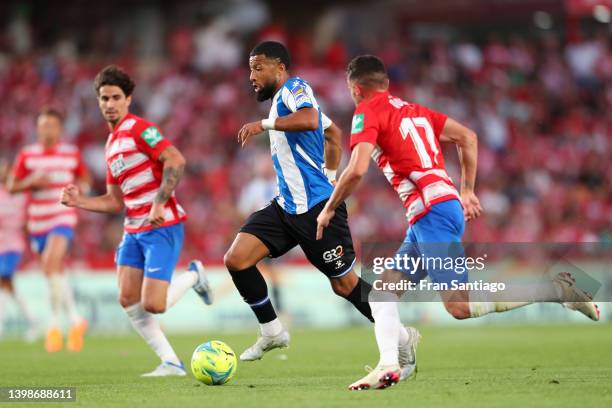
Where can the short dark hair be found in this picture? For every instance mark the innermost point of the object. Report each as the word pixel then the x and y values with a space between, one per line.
pixel 114 76
pixel 368 71
pixel 49 111
pixel 273 49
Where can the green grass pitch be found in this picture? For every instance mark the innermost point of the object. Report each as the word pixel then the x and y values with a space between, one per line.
pixel 459 366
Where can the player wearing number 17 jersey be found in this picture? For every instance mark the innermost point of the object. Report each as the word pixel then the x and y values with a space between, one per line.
pixel 404 140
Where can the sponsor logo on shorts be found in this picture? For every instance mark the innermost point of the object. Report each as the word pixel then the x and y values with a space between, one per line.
pixel 333 254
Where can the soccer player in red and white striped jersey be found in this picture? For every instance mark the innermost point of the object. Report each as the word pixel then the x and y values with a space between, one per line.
pixel 42 170
pixel 143 170
pixel 404 140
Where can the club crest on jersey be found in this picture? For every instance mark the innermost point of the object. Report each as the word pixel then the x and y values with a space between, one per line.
pixel 357 125
pixel 117 166
pixel 151 135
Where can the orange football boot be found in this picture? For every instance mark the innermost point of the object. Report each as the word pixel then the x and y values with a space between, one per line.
pixel 75 336
pixel 54 340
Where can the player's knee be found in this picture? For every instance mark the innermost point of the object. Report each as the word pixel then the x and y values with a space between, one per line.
pixel 126 300
pixel 234 262
pixel 154 307
pixel 341 287
pixel 459 310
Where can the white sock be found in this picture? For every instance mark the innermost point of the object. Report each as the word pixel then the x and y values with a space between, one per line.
pixel 4 298
pixel 180 284
pixel 56 295
pixel 272 328
pixel 387 327
pixel 146 325
pixel 403 335
pixel 69 303
pixel 484 303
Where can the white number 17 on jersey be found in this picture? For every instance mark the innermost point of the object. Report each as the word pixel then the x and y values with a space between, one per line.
pixel 409 126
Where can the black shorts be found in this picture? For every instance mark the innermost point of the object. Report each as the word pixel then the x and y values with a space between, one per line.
pixel 333 255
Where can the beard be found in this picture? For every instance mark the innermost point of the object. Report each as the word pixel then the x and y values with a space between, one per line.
pixel 267 92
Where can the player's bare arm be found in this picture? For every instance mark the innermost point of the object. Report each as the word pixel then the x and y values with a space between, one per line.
pixel 467 147
pixel 333 150
pixel 34 181
pixel 174 166
pixel 303 119
pixel 348 182
pixel 110 203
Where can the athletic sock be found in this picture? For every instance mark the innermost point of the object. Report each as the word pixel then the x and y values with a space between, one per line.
pixel 482 304
pixel 56 295
pixel 180 284
pixel 272 328
pixel 361 291
pixel 148 327
pixel 252 287
pixel 404 337
pixel 387 327
pixel 68 301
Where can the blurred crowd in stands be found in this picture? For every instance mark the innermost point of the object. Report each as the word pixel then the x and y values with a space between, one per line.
pixel 539 105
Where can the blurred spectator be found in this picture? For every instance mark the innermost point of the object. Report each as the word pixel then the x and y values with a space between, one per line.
pixel 539 106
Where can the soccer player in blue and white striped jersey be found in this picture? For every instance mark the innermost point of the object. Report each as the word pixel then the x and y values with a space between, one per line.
pixel 304 143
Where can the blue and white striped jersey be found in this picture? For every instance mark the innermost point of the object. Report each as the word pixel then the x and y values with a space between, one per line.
pixel 298 156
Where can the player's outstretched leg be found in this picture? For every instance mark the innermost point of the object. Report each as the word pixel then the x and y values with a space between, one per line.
pixel 561 289
pixel 241 260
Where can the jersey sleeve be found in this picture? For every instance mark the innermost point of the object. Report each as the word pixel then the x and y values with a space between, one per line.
pixel 19 168
pixel 109 177
pixel 437 119
pixel 365 126
pixel 325 121
pixel 150 140
pixel 297 95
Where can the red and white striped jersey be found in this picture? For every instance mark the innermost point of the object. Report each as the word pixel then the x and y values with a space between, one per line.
pixel 407 150
pixel 62 164
pixel 132 153
pixel 12 221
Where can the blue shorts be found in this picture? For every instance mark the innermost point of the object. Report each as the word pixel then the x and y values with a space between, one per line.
pixel 436 239
pixel 155 251
pixel 9 262
pixel 38 242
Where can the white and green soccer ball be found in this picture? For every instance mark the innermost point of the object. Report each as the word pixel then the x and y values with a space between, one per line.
pixel 213 363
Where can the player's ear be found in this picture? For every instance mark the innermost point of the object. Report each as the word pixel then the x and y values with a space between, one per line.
pixel 128 100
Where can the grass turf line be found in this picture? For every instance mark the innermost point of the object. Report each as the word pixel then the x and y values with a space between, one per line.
pixel 499 366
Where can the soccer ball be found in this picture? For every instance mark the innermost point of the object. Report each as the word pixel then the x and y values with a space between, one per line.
pixel 213 363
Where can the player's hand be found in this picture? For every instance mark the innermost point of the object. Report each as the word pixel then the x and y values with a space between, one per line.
pixel 70 196
pixel 248 130
pixel 38 181
pixel 323 221
pixel 471 205
pixel 156 215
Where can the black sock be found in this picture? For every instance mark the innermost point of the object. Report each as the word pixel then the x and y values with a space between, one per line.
pixel 276 295
pixel 253 289
pixel 359 298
